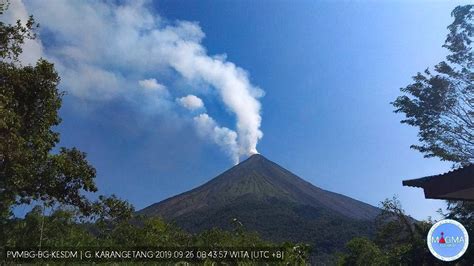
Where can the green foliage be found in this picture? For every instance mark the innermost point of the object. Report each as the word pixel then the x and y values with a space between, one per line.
pixel 441 102
pixel 13 36
pixel 463 212
pixel 62 229
pixel 29 104
pixel 275 220
pixel 400 240
pixel 362 251
pixel 403 238
pixel 56 230
pixel 111 210
pixel 30 170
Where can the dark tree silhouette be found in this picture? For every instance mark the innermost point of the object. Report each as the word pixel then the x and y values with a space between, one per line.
pixel 29 104
pixel 441 102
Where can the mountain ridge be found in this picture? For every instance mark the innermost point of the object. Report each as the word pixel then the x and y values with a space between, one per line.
pixel 270 200
pixel 328 199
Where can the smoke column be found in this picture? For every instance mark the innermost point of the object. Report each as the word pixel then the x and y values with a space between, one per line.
pixel 233 85
pixel 120 43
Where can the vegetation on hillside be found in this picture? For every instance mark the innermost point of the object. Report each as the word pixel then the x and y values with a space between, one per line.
pixel 400 240
pixel 271 200
pixel 61 229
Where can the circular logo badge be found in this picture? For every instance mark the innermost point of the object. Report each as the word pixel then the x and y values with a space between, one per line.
pixel 447 240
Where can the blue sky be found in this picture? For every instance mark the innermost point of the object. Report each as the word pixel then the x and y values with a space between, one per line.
pixel 329 70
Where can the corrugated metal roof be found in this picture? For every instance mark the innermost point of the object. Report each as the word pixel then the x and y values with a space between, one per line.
pixel 462 171
pixel 456 185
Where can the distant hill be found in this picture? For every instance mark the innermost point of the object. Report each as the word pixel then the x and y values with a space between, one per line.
pixel 271 200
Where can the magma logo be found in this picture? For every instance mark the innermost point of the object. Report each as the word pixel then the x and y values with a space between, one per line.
pixel 447 240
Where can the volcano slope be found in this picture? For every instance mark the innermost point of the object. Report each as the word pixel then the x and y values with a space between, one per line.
pixel 272 201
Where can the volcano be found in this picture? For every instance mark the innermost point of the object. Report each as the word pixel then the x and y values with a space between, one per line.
pixel 272 201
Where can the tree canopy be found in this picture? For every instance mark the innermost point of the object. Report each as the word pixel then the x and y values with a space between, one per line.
pixel 440 102
pixel 399 240
pixel 30 167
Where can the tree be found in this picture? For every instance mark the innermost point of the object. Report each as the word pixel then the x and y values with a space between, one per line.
pixel 12 37
pixel 402 237
pixel 362 251
pixel 399 240
pixel 29 104
pixel 463 212
pixel 59 229
pixel 441 102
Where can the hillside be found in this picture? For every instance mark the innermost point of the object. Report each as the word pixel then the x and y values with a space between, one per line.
pixel 271 200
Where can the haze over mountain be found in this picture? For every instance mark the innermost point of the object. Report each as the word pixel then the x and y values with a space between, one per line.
pixel 271 200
